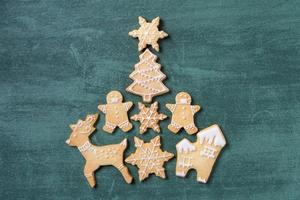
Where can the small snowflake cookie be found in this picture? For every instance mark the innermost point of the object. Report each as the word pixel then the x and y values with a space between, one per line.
pixel 149 117
pixel 200 155
pixel 97 156
pixel 149 158
pixel 147 77
pixel 183 114
pixel 148 33
pixel 116 112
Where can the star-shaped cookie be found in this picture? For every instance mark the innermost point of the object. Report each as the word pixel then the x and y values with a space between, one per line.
pixel 149 158
pixel 148 33
pixel 149 117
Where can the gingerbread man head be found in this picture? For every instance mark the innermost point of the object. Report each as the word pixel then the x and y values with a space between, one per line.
pixel 183 98
pixel 114 97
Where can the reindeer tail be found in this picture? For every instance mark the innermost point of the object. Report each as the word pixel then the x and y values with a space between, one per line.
pixel 123 144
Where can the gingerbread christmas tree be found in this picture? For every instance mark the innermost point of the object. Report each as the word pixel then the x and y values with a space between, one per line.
pixel 147 77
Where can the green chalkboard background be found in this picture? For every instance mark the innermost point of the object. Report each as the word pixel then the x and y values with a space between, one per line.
pixel 240 60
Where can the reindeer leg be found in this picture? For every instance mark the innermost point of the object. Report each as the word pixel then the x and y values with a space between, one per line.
pixel 89 174
pixel 124 171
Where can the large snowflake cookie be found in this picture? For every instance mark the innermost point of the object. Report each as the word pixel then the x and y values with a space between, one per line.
pixel 97 156
pixel 147 77
pixel 149 158
pixel 200 155
pixel 183 114
pixel 116 112
pixel 149 117
pixel 148 33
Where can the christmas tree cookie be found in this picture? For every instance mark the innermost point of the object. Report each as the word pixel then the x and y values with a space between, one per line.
pixel 97 156
pixel 116 112
pixel 149 158
pixel 147 77
pixel 149 117
pixel 183 114
pixel 200 155
pixel 148 33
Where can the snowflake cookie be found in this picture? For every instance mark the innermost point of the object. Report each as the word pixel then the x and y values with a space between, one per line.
pixel 116 112
pixel 97 156
pixel 200 155
pixel 149 117
pixel 148 33
pixel 147 77
pixel 149 158
pixel 183 114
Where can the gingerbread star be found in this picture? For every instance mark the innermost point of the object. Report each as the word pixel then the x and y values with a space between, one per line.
pixel 149 158
pixel 148 33
pixel 149 117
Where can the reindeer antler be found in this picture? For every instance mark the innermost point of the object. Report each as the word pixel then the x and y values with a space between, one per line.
pixel 86 126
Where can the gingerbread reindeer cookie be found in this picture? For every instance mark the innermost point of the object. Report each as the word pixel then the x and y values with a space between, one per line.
pixel 149 158
pixel 149 117
pixel 200 155
pixel 148 33
pixel 97 156
pixel 116 112
pixel 183 114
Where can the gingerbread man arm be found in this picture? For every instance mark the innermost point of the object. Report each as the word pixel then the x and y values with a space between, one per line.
pixel 195 108
pixel 128 105
pixel 102 108
pixel 171 107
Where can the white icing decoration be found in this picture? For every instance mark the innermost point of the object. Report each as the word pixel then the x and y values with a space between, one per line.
pixel 208 152
pixel 181 174
pixel 185 146
pixel 212 135
pixel 203 180
pixel 183 101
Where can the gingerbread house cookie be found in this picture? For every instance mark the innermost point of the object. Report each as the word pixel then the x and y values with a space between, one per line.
pixel 200 155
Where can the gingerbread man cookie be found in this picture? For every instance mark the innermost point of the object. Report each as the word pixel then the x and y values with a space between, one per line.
pixel 148 33
pixel 183 114
pixel 149 117
pixel 200 155
pixel 97 156
pixel 116 112
pixel 149 158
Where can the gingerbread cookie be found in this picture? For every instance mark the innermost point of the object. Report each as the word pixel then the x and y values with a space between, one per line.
pixel 148 33
pixel 183 114
pixel 116 112
pixel 149 117
pixel 147 77
pixel 200 155
pixel 149 158
pixel 97 156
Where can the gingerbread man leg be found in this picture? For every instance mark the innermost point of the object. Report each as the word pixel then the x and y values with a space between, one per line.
pixel 124 171
pixel 174 127
pixel 89 174
pixel 191 129
pixel 125 126
pixel 109 127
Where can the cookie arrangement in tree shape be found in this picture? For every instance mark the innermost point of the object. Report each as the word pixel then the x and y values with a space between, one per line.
pixel 147 77
pixel 149 117
pixel 149 158
pixel 97 156
pixel 200 155
pixel 148 33
pixel 183 114
pixel 116 112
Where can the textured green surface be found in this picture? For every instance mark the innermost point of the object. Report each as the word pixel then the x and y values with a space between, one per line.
pixel 240 60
